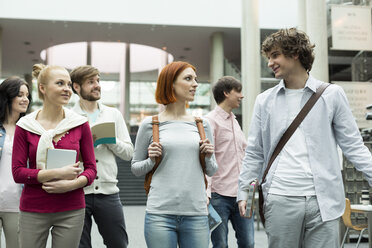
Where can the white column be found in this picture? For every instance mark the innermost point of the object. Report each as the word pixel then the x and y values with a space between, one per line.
pixel 301 18
pixel 316 28
pixel 89 53
pixel 163 62
pixel 48 55
pixel 1 50
pixel 125 85
pixel 216 61
pixel 250 53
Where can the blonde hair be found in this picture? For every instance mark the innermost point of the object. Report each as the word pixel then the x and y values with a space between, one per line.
pixel 42 72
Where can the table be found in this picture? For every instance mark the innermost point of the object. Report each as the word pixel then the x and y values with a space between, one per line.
pixel 365 209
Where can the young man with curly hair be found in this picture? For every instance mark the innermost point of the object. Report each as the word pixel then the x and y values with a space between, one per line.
pixel 303 190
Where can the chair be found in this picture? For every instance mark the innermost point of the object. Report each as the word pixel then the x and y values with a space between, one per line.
pixel 346 217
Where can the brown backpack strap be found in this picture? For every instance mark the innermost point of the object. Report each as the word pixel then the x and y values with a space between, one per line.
pixel 155 135
pixel 155 138
pixel 199 124
pixel 155 128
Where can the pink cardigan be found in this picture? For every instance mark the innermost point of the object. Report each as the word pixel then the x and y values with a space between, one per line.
pixel 34 198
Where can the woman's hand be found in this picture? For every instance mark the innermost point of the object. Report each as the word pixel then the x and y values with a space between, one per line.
pixel 206 147
pixel 58 186
pixel 69 172
pixel 154 150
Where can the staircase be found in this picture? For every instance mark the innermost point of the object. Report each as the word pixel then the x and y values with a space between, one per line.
pixel 131 187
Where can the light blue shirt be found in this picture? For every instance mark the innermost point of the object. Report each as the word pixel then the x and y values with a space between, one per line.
pixel 329 123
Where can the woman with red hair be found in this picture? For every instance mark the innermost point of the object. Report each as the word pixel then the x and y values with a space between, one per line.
pixel 176 212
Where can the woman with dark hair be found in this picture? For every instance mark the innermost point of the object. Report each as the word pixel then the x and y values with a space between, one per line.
pixel 14 102
pixel 176 212
pixel 52 199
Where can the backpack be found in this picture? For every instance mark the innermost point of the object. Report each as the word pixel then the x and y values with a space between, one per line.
pixel 155 137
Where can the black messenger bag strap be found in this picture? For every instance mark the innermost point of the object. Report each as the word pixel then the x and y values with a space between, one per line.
pixel 286 136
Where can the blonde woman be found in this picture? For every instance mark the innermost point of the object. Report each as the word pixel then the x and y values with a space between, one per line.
pixel 52 199
pixel 14 101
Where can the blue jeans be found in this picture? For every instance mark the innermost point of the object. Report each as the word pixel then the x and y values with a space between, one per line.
pixel 166 231
pixel 228 209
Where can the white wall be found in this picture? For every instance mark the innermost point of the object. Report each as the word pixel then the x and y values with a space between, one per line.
pixel 213 13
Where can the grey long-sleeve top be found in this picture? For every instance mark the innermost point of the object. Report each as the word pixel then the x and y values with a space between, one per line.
pixel 177 186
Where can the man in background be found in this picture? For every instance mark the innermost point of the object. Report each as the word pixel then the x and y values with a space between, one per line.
pixel 102 197
pixel 229 151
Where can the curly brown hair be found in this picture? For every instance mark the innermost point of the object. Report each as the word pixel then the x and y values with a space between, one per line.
pixel 292 42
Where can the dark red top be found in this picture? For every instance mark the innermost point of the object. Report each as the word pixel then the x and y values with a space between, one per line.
pixel 34 198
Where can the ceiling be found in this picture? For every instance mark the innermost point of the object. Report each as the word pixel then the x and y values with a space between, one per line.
pixel 23 40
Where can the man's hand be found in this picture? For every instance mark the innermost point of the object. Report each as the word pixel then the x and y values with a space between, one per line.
pixel 242 207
